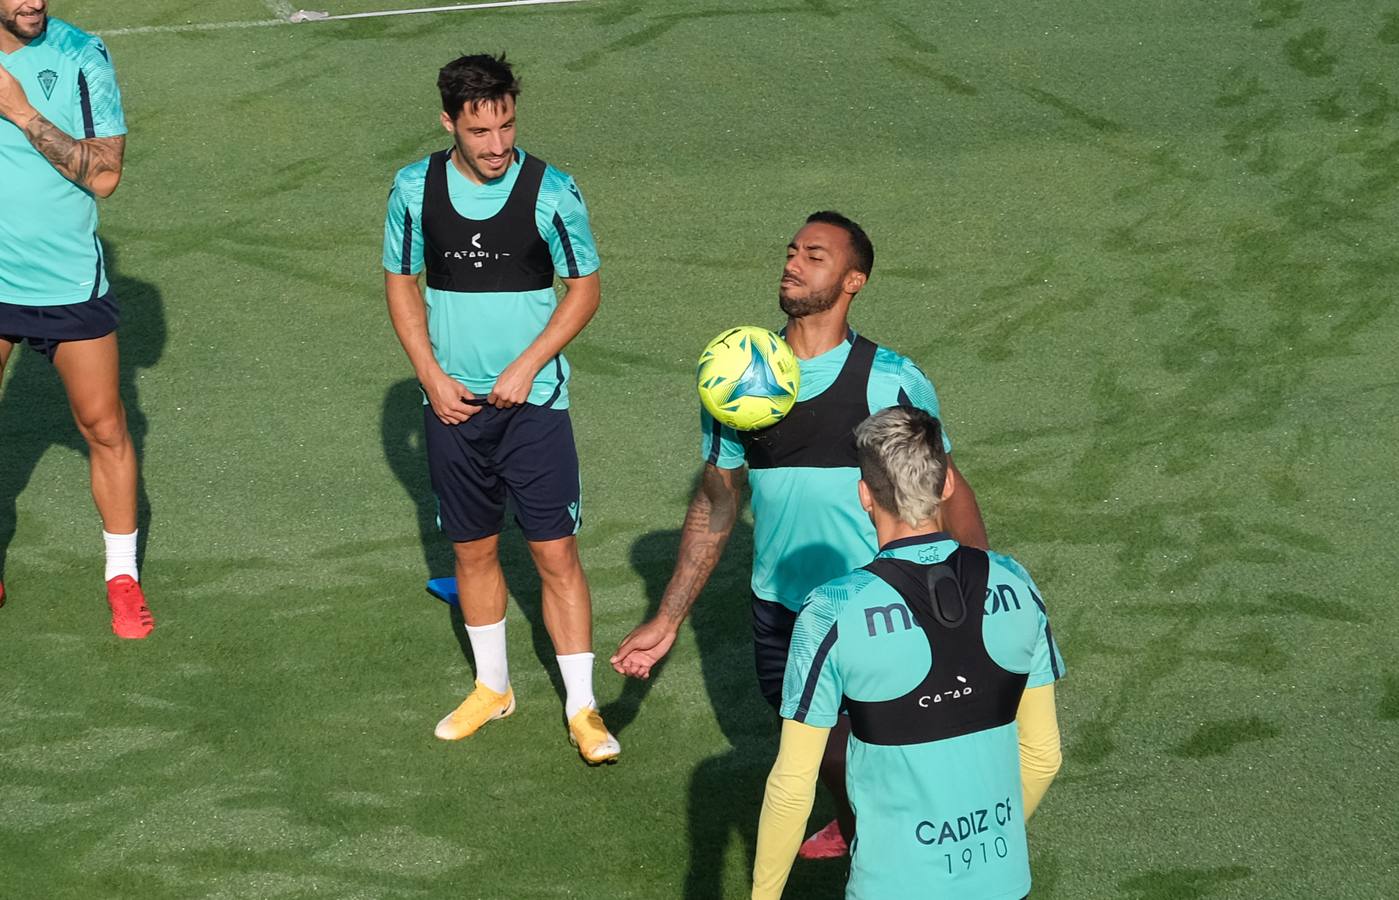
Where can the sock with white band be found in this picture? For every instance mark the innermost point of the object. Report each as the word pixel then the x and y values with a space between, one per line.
pixel 121 555
pixel 488 647
pixel 577 672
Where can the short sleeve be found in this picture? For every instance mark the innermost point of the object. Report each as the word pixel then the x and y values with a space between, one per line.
pixel 812 688
pixel 570 235
pixel 98 93
pixel 916 390
pixel 1046 662
pixel 403 227
pixel 719 443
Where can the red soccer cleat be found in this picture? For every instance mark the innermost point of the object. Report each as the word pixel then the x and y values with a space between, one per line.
pixel 2 593
pixel 824 844
pixel 131 619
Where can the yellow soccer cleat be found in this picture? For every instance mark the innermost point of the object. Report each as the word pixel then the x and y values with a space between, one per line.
pixel 594 742
pixel 482 706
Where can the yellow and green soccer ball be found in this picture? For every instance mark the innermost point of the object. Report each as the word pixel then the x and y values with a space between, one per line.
pixel 748 378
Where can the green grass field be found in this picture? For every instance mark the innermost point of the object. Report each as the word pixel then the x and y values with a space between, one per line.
pixel 1147 253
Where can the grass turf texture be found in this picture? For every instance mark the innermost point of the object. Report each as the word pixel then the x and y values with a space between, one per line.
pixel 1147 255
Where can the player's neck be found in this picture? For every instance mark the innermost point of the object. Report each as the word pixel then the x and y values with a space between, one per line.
pixel 889 527
pixel 810 336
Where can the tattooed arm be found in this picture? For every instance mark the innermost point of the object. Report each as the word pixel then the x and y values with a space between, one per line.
pixel 708 524
pixel 94 163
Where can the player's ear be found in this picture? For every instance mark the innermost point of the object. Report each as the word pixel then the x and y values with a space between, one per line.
pixel 854 281
pixel 949 482
pixel 447 122
pixel 866 498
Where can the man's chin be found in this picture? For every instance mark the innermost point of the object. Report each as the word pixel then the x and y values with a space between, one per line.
pixel 24 31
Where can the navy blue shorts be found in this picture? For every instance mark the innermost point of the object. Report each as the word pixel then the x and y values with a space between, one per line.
pixel 772 641
pixel 525 454
pixel 45 327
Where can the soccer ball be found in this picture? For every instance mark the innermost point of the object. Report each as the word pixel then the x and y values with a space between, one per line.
pixel 748 378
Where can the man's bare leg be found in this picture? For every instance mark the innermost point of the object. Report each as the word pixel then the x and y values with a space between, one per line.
pixel 91 379
pixel 481 593
pixel 568 614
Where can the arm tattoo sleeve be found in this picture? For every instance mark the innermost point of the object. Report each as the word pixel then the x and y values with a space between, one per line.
pixel 708 524
pixel 79 161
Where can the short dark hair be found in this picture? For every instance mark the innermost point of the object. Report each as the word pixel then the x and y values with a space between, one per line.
pixel 473 80
pixel 859 241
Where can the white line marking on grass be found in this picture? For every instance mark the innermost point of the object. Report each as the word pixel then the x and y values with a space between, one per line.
pixel 434 9
pixel 191 26
pixel 278 7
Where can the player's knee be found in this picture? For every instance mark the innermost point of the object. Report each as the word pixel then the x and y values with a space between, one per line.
pixel 476 554
pixel 557 561
pixel 105 432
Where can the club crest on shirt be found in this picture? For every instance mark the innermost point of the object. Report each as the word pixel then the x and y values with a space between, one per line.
pixel 47 79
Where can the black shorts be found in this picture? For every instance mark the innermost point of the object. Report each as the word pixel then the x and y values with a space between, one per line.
pixel 772 639
pixel 45 327
pixel 525 453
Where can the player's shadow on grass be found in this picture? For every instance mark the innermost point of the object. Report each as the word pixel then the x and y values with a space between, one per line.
pixel 726 790
pixel 401 429
pixel 34 413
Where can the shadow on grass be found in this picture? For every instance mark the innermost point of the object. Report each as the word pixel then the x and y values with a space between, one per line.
pixel 34 414
pixel 726 790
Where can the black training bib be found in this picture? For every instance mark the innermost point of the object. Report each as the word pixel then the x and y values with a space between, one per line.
pixel 502 254
pixel 965 690
pixel 819 433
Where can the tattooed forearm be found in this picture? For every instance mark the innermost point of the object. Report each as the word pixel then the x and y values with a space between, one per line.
pixel 94 163
pixel 708 524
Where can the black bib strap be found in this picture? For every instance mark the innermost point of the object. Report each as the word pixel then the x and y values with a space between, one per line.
pixel 965 690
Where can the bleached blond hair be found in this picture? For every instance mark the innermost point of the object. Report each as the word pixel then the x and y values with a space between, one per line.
pixel 902 461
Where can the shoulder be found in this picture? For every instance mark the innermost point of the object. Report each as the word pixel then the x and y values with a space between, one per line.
pixel 831 599
pixel 70 40
pixel 892 364
pixel 411 178
pixel 1004 566
pixel 557 189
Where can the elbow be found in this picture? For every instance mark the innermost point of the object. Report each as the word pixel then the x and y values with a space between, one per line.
pixel 105 184
pixel 1044 764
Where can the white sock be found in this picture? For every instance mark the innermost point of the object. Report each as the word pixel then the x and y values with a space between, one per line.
pixel 121 555
pixel 488 646
pixel 577 671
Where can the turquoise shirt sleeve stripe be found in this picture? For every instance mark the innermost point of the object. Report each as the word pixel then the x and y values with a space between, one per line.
pixel 406 263
pixel 85 98
pixel 563 221
pixel 101 97
pixel 1054 666
pixel 403 232
pixel 813 677
pixel 572 261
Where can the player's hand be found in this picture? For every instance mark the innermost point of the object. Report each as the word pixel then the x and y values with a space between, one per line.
pixel 448 397
pixel 14 102
pixel 513 386
pixel 641 650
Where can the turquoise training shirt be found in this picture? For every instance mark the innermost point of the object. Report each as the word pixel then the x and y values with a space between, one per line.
pixel 939 819
pixel 475 336
pixel 808 526
pixel 49 252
